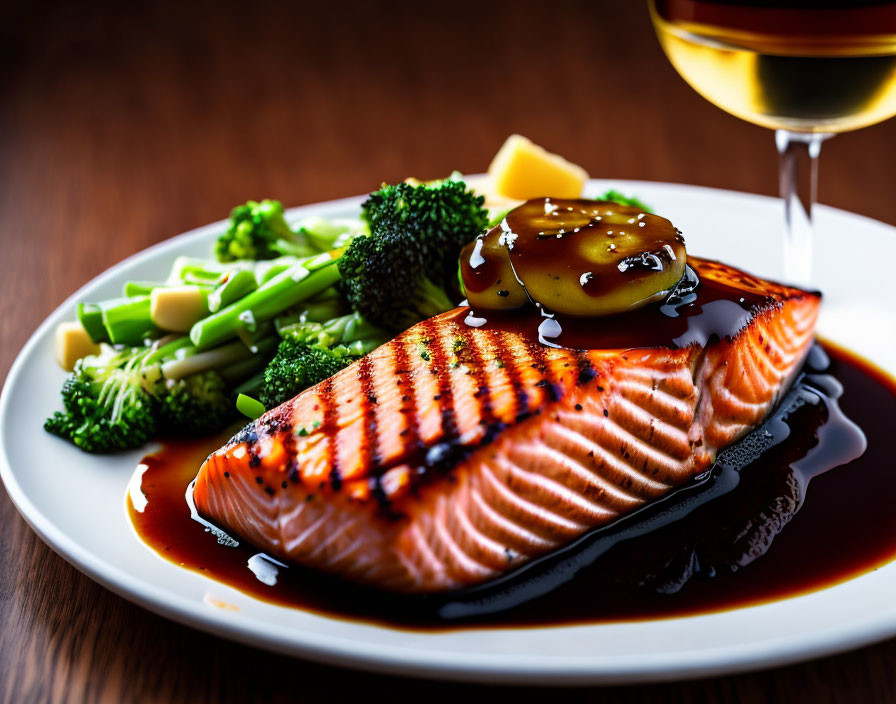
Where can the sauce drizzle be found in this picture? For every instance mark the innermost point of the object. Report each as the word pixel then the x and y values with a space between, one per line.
pixel 576 256
pixel 704 305
pixel 762 536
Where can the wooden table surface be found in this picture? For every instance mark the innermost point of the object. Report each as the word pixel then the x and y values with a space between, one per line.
pixel 121 128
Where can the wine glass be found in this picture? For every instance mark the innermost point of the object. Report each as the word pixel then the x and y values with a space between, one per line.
pixel 805 68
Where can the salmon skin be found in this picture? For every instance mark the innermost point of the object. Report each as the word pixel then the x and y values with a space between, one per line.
pixel 453 454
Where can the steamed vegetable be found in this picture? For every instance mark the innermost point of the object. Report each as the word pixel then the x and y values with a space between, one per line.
pixel 106 405
pixel 123 396
pixel 300 281
pixel 258 230
pixel 127 321
pixel 282 307
pixel 405 269
pixel 311 352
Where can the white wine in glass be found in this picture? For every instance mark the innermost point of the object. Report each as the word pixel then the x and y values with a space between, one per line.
pixel 806 68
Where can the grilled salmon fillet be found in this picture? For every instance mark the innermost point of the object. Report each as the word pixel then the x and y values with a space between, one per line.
pixel 453 454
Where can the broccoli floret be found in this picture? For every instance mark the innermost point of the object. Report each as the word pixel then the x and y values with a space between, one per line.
pixel 311 352
pixel 404 270
pixel 616 197
pixel 124 396
pixel 351 331
pixel 106 406
pixel 385 279
pixel 298 365
pixel 444 216
pixel 199 404
pixel 258 230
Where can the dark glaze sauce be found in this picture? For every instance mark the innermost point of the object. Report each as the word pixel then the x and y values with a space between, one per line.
pixel 633 241
pixel 695 312
pixel 743 536
pixel 580 257
pixel 541 271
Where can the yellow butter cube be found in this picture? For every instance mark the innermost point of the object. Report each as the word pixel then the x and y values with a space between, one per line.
pixel 522 170
pixel 177 308
pixel 73 343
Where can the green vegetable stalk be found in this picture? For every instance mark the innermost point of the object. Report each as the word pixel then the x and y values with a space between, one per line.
pixel 126 395
pixel 288 288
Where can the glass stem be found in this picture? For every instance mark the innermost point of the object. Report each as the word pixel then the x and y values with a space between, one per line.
pixel 798 178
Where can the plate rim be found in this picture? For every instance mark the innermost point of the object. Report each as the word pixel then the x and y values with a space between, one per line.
pixel 506 668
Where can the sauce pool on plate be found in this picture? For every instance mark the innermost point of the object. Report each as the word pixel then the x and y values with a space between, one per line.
pixel 770 535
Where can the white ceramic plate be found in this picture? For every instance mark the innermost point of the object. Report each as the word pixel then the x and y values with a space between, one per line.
pixel 75 501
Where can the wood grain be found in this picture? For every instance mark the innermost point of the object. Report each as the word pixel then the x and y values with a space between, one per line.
pixel 120 128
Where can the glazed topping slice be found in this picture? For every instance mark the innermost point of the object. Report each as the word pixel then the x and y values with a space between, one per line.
pixel 487 276
pixel 578 257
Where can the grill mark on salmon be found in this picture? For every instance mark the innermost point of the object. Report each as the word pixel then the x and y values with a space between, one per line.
pixel 485 450
pixel 329 424
pixel 445 396
pixel 408 407
pixel 368 449
pixel 471 355
pixel 520 396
